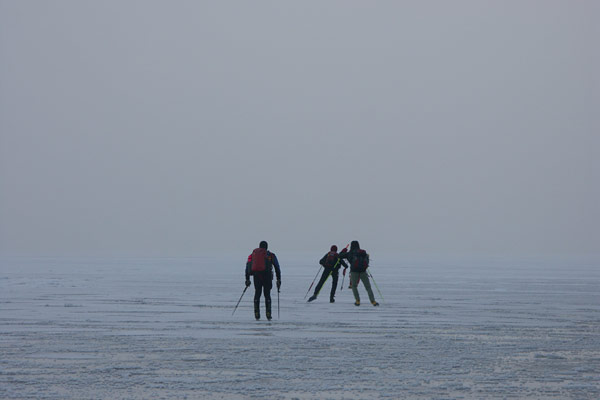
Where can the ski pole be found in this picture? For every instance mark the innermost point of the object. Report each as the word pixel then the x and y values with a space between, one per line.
pixel 371 275
pixel 238 303
pixel 344 273
pixel 313 282
pixel 277 303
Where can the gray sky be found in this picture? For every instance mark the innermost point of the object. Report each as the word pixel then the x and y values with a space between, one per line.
pixel 178 127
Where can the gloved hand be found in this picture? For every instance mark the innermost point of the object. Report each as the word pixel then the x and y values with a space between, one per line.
pixel 247 282
pixel 278 284
pixel 344 250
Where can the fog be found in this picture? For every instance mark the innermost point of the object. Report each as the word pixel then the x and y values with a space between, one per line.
pixel 182 127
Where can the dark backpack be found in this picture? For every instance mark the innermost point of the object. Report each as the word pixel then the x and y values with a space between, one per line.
pixel 330 259
pixel 260 260
pixel 361 261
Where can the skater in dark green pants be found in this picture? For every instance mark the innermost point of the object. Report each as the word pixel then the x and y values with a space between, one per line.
pixel 359 262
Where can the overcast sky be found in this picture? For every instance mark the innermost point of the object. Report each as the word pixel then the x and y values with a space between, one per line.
pixel 181 127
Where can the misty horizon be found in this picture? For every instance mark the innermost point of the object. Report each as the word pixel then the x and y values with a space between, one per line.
pixel 165 129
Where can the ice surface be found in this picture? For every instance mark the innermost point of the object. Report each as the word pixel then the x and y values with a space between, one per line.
pixel 162 328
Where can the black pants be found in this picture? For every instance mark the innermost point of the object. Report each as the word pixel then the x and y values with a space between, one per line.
pixel 334 276
pixel 263 282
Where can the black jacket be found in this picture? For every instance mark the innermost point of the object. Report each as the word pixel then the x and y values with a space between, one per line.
pixel 337 264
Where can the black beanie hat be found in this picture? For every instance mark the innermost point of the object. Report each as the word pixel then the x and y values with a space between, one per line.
pixel 263 245
pixel 354 245
pixel 334 248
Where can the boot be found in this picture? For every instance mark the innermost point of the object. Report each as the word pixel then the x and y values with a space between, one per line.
pixel 257 310
pixel 357 303
pixel 268 309
pixel 331 300
pixel 375 303
pixel 312 298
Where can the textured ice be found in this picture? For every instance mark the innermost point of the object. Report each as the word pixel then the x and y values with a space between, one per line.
pixel 462 328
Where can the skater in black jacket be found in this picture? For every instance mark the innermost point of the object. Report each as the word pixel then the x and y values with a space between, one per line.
pixel 331 266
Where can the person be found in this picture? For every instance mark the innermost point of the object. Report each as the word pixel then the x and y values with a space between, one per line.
pixel 359 262
pixel 331 266
pixel 260 265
